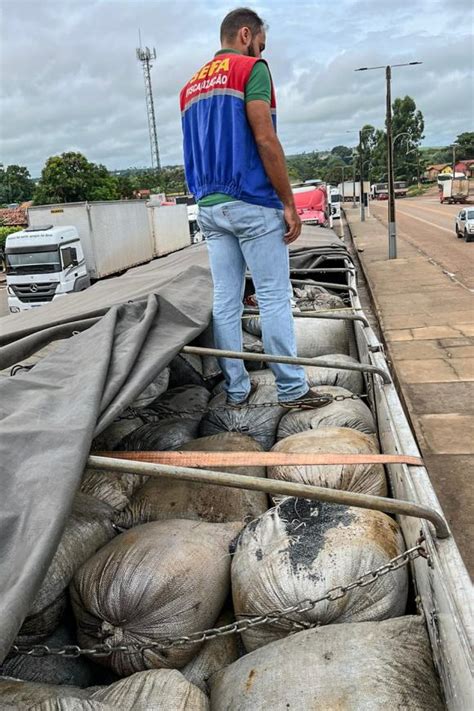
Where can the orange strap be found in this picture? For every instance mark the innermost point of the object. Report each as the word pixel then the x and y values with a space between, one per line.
pixel 265 459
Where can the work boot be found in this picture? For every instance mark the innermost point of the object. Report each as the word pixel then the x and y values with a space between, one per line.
pixel 242 403
pixel 311 400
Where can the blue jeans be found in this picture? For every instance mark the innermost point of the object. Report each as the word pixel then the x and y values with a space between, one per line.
pixel 239 234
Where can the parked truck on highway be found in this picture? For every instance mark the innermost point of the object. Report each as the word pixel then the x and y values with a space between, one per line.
pixel 454 191
pixel 347 189
pixel 68 246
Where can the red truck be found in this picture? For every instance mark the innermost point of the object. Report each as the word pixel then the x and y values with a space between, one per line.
pixel 312 204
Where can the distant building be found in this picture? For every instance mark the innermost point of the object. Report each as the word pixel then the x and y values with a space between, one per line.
pixel 463 166
pixel 466 167
pixel 13 217
pixel 432 171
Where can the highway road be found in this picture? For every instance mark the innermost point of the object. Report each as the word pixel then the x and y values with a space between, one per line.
pixel 429 226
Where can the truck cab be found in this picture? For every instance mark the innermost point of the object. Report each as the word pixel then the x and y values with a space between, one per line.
pixel 43 264
pixel 335 203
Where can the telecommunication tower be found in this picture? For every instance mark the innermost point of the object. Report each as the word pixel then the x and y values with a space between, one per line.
pixel 146 55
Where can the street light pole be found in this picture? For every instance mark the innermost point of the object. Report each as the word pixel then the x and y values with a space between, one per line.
pixel 392 227
pixel 361 177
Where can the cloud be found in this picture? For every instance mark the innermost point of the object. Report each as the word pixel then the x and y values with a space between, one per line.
pixel 70 79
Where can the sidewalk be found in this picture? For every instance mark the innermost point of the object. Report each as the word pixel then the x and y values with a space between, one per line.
pixel 427 322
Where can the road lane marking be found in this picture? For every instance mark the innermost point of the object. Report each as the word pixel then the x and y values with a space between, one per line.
pixel 448 215
pixel 420 219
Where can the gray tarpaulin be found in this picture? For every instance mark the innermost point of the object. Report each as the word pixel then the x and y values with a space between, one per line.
pixel 48 415
pixel 126 330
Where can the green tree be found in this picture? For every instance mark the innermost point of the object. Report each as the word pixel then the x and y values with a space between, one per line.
pixel 343 152
pixel 70 177
pixel 15 184
pixel 407 126
pixel 125 187
pixel 465 148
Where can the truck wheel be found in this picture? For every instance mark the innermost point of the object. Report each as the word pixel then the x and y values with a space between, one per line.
pixel 468 237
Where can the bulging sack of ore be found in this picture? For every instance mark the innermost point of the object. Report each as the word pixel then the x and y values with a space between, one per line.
pixel 344 411
pixel 171 498
pixel 172 420
pixel 301 549
pixel 154 690
pixel 21 695
pixel 368 665
pixel 53 669
pixel 339 413
pixel 318 337
pixel 316 298
pixel 361 478
pixel 215 654
pixel 258 418
pixel 156 388
pixel 108 439
pixel 186 369
pixel 160 580
pixel 88 528
pixel 314 337
pixel 351 380
pixel 113 488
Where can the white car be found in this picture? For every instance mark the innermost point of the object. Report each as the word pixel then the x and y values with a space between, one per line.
pixel 464 225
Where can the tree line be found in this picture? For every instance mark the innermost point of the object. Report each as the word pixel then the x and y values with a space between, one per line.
pixel 70 177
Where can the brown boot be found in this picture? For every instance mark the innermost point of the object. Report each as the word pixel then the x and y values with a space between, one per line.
pixel 311 400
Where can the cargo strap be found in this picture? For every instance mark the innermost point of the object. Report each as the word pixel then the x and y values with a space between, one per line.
pixel 260 459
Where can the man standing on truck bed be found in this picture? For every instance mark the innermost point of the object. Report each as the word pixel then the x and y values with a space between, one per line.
pixel 235 168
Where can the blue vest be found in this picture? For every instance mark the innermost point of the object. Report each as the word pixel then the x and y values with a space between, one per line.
pixel 220 153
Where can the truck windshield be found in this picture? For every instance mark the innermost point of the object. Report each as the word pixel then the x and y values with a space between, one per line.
pixel 33 262
pixel 470 214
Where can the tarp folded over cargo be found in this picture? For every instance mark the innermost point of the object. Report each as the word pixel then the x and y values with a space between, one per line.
pixel 49 415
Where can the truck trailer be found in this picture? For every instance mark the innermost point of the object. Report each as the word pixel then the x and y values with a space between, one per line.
pixel 454 191
pixel 366 621
pixel 106 238
pixel 346 189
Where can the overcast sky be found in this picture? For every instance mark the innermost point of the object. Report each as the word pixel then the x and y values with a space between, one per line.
pixel 70 79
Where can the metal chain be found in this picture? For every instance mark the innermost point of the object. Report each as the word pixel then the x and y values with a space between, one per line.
pixel 131 412
pixel 336 593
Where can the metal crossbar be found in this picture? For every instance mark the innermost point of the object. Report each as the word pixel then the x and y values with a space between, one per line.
pixel 274 487
pixel 317 314
pixel 267 358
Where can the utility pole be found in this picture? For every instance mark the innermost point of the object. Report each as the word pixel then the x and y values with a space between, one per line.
pixel 353 183
pixel 454 160
pixel 361 188
pixel 392 227
pixel 146 56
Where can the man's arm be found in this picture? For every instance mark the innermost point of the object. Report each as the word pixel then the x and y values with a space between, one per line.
pixel 273 159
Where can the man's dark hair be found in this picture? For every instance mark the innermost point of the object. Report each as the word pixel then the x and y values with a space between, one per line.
pixel 241 17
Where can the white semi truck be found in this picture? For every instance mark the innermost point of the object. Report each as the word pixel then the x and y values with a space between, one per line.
pixel 68 246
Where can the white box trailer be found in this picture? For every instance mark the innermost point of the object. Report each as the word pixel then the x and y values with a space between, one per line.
pixel 454 191
pixel 346 189
pixel 115 235
pixel 169 227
